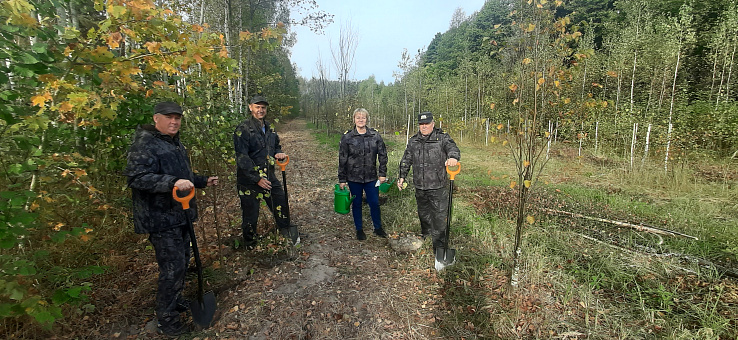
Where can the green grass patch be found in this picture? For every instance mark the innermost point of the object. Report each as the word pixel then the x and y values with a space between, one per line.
pixel 613 281
pixel 330 140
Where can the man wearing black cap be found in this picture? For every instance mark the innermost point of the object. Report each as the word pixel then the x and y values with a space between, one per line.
pixel 257 146
pixel 428 152
pixel 157 162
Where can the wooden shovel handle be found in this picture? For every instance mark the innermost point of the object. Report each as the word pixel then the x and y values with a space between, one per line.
pixel 184 200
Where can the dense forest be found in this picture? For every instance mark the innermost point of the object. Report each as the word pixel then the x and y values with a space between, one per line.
pixel 652 79
pixel 665 68
pixel 76 79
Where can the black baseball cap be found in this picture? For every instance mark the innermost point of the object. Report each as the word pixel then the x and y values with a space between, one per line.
pixel 425 117
pixel 259 99
pixel 166 108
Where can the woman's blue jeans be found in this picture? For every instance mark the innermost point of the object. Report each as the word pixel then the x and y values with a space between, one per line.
pixel 372 198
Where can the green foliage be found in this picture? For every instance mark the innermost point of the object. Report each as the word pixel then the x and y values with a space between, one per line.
pixel 17 297
pixel 619 72
pixel 72 92
pixel 14 219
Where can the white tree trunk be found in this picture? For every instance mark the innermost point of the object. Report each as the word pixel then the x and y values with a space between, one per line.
pixel 581 139
pixel 668 145
pixel 633 143
pixel 407 133
pixel 632 79
pixel 722 81
pixel 648 141
pixel 548 143
pixel 671 109
pixel 597 132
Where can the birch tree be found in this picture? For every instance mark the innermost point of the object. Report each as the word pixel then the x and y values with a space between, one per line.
pixel 683 35
pixel 540 42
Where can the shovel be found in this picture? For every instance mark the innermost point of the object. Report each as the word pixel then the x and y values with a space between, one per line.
pixel 293 233
pixel 203 309
pixel 444 255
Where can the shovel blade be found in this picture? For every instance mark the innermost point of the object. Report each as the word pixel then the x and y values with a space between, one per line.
pixel 203 312
pixel 444 258
pixel 291 233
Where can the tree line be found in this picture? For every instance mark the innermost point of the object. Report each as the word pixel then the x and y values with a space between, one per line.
pixel 648 80
pixel 658 74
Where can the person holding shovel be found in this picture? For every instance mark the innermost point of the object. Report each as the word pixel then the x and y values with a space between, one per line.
pixel 429 152
pixel 358 152
pixel 157 162
pixel 257 146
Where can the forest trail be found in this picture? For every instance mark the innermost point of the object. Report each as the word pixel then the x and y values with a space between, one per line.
pixel 335 287
pixel 332 286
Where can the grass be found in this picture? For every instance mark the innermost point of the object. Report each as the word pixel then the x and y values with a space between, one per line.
pixel 330 140
pixel 583 278
pixel 583 286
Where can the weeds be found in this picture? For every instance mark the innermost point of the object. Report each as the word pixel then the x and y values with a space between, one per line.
pixel 584 278
pixel 591 288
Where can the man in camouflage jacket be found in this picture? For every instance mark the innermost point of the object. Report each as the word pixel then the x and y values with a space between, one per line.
pixel 257 145
pixel 157 162
pixel 429 152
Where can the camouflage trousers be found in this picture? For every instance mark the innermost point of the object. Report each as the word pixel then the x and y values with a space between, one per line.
pixel 432 212
pixel 172 247
pixel 251 197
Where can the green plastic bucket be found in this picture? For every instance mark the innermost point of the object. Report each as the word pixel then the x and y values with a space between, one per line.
pixel 342 200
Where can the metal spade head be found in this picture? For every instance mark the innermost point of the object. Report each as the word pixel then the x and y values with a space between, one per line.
pixel 291 234
pixel 445 257
pixel 203 312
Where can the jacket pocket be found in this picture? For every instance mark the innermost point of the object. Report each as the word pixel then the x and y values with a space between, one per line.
pixel 355 148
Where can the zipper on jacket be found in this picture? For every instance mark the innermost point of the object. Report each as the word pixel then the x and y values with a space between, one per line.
pixel 423 161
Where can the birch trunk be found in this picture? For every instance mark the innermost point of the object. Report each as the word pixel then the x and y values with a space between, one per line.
pixel 633 144
pixel 597 131
pixel 671 109
pixel 648 141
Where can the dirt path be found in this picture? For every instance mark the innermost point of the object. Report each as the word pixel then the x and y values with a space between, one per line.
pixel 333 286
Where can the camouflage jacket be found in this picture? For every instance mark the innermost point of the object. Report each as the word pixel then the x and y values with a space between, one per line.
pixel 255 151
pixel 155 162
pixel 427 156
pixel 358 154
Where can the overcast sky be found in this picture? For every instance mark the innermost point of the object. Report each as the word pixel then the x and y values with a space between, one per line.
pixel 383 27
